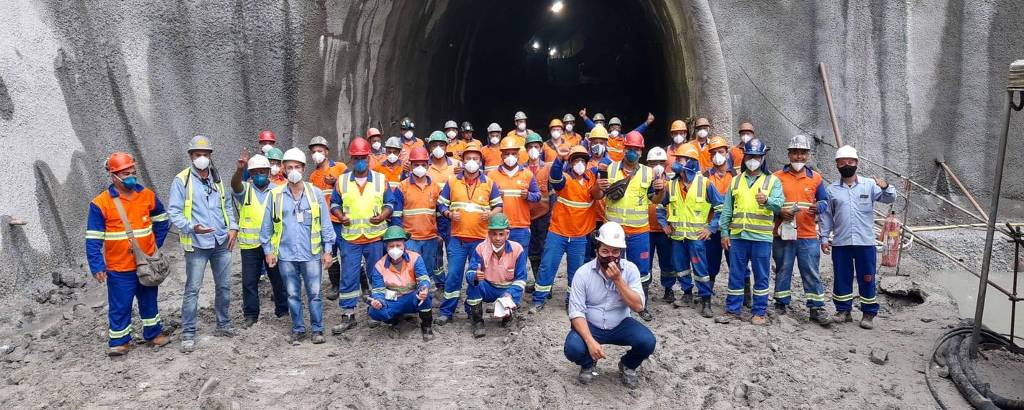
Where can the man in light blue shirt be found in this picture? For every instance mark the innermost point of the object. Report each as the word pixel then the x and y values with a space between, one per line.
pixel 605 292
pixel 847 232
pixel 204 213
pixel 298 237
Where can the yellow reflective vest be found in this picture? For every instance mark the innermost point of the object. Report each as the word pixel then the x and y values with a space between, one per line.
pixel 631 209
pixel 361 205
pixel 185 178
pixel 688 211
pixel 250 218
pixel 277 201
pixel 747 214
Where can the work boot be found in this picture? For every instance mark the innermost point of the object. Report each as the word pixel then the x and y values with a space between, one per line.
pixel 535 309
pixel 867 321
pixel 372 324
pixel 646 315
pixel 188 345
pixel 348 321
pixel 819 316
pixel 781 309
pixel 331 293
pixel 842 317
pixel 318 338
pixel 705 308
pixel 759 320
pixel 670 296
pixel 296 338
pixel 119 350
pixel 479 329
pixel 159 341
pixel 747 300
pixel 249 322
pixel 629 376
pixel 530 286
pixel 587 375
pixel 442 320
pixel 225 332
pixel 727 317
pixel 427 325
pixel 392 330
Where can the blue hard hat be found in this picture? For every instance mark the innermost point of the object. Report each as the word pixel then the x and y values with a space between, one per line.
pixel 755 147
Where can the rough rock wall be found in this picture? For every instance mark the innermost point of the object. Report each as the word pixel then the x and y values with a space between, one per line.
pixel 81 78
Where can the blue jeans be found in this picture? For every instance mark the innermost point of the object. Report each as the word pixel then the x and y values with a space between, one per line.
pixel 427 249
pixel 691 254
pixel 807 253
pixel 195 266
pixel 394 309
pixel 846 259
pixel 758 254
pixel 253 265
pixel 458 256
pixel 295 274
pixel 352 256
pixel 629 332
pixel 122 289
pixel 522 237
pixel 554 247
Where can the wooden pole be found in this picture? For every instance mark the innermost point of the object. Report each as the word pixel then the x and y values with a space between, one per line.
pixel 963 189
pixel 828 102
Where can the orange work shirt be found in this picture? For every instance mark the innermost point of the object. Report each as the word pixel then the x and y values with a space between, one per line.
pixel 407 146
pixel 541 171
pixel 317 178
pixel 616 148
pixel 514 190
pixel 800 188
pixel 392 173
pixel 737 157
pixel 419 208
pixel 574 213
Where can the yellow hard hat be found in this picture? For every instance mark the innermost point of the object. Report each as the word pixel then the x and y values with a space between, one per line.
pixel 678 125
pixel 716 141
pixel 688 150
pixel 510 143
pixel 555 123
pixel 599 133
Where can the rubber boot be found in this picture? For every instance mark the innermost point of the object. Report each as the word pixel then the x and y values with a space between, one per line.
pixel 477 313
pixel 747 300
pixel 427 325
pixel 705 308
pixel 531 284
pixel 334 273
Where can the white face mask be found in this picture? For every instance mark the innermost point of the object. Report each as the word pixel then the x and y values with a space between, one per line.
pixel 471 166
pixel 598 149
pixel 395 253
pixel 534 153
pixel 438 152
pixel 615 133
pixel 658 170
pixel 511 160
pixel 376 146
pixel 495 140
pixel 797 166
pixel 719 159
pixel 753 164
pixel 392 158
pixel 702 133
pixel 556 134
pixel 498 249
pixel 294 176
pixel 746 137
pixel 266 147
pixel 568 127
pixel 407 134
pixel 450 134
pixel 275 169
pixel 318 157
pixel 419 171
pixel 678 138
pixel 201 163
pixel 579 168
pixel 521 126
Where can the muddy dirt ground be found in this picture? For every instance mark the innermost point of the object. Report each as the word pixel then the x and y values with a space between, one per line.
pixel 53 355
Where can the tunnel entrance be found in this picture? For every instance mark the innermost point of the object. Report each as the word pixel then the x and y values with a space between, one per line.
pixel 605 55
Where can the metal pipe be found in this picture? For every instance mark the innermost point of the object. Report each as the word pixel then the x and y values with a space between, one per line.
pixel 963 189
pixel 1016 270
pixel 1014 86
pixel 906 215
pixel 828 102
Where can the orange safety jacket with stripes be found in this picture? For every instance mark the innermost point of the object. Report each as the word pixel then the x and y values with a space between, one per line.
pixel 106 241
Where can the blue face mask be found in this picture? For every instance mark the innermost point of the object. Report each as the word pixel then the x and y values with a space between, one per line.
pixel 260 180
pixel 361 165
pixel 130 182
pixel 632 156
pixel 689 169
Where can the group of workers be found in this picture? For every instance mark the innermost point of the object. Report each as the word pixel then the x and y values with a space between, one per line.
pixel 407 214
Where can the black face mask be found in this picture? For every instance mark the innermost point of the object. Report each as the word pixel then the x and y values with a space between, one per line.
pixel 606 260
pixel 848 171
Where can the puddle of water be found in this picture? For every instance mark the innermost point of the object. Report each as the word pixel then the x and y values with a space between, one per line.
pixel 963 287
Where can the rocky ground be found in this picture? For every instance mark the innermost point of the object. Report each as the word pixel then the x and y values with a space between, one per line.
pixel 53 345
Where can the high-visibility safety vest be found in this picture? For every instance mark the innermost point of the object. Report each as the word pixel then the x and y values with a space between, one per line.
pixel 541 172
pixel 362 204
pixel 616 148
pixel 185 178
pixel 403 280
pixel 573 214
pixel 472 203
pixel 799 189
pixel 117 250
pixel 250 218
pixel 514 190
pixel 688 210
pixel 747 214
pixel 631 209
pixel 419 213
pixel 277 202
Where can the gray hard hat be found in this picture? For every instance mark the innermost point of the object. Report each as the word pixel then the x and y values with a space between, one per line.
pixel 800 141
pixel 615 121
pixel 451 124
pixel 200 142
pixel 520 115
pixel 568 118
pixel 318 140
pixel 598 117
pixel 494 127
pixel 467 126
pixel 393 142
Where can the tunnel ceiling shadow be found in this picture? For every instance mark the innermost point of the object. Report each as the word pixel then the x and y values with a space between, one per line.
pixel 500 57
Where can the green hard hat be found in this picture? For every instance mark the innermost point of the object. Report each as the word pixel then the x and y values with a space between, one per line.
pixel 533 137
pixel 499 221
pixel 437 136
pixel 275 153
pixel 395 233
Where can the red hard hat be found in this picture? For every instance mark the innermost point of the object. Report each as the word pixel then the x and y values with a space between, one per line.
pixel 634 139
pixel 419 153
pixel 359 146
pixel 372 132
pixel 268 135
pixel 119 161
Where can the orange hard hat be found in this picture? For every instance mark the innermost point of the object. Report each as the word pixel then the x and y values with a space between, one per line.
pixel 716 141
pixel 555 123
pixel 634 139
pixel 701 122
pixel 372 132
pixel 268 135
pixel 510 143
pixel 419 153
pixel 746 127
pixel 578 151
pixel 119 161
pixel 359 146
pixel 472 146
pixel 678 125
pixel 688 150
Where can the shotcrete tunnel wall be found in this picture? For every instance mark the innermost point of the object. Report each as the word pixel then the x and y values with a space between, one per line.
pixel 79 79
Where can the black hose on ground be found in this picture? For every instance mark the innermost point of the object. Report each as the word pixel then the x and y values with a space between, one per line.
pixel 954 347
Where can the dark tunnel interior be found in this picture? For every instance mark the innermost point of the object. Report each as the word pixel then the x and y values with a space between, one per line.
pixel 601 54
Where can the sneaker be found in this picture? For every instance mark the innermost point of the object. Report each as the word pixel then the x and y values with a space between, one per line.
pixel 188 345
pixel 819 316
pixel 535 309
pixel 781 309
pixel 726 318
pixel 646 315
pixel 587 375
pixel 331 293
pixel 225 332
pixel 867 321
pixel 318 338
pixel 296 338
pixel 842 317
pixel 442 320
pixel 759 320
pixel 158 341
pixel 629 376
pixel 348 322
pixel 119 350
pixel 669 297
pixel 249 322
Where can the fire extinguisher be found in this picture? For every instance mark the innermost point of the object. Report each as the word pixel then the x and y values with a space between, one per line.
pixel 892 236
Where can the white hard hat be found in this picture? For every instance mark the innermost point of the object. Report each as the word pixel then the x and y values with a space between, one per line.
pixel 318 140
pixel 800 141
pixel 451 124
pixel 200 143
pixel 393 142
pixel 611 234
pixel 615 121
pixel 657 154
pixel 258 161
pixel 846 151
pixel 520 115
pixel 295 154
pixel 494 127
